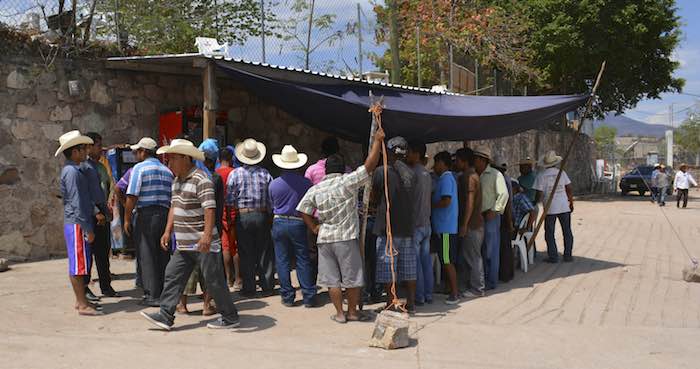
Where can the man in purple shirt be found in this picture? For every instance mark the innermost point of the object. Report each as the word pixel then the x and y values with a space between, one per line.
pixel 288 228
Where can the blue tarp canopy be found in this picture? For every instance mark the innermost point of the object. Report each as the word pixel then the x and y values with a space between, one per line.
pixel 341 108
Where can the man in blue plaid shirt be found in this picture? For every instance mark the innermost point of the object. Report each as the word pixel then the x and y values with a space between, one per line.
pixel 521 206
pixel 247 192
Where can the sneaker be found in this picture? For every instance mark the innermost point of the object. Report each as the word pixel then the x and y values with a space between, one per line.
pixel 288 303
pixel 158 320
pixel 568 259
pixel 452 300
pixel 90 296
pixel 471 295
pixel 223 324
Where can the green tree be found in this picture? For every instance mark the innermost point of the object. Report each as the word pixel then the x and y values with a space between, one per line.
pixel 687 137
pixel 156 27
pixel 571 38
pixel 604 137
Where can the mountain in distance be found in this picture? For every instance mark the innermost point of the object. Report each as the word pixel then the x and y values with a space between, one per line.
pixel 631 127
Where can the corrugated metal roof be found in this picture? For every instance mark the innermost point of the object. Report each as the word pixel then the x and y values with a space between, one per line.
pixel 180 58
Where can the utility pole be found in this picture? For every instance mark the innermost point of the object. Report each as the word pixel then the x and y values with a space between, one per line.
pixel 420 81
pixel 451 85
pixel 394 41
pixel 359 38
pixel 262 27
pixel 669 138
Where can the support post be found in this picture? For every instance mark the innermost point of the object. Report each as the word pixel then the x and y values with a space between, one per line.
pixel 211 100
pixel 366 192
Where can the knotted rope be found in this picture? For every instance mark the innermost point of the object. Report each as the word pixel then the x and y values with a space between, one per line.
pixel 376 110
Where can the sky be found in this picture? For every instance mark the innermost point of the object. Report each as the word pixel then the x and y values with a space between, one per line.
pixel 688 54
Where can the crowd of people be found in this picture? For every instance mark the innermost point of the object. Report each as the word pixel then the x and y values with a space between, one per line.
pixel 214 216
pixel 661 180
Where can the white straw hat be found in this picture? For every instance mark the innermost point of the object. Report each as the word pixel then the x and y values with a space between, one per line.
pixel 70 139
pixel 183 147
pixel 290 158
pixel 145 143
pixel 550 159
pixel 250 151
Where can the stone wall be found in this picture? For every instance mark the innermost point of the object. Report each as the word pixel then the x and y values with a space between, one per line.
pixel 123 106
pixel 535 144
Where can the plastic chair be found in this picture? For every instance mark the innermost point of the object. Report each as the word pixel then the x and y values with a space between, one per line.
pixel 520 242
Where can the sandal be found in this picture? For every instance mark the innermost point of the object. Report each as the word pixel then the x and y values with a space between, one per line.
pixel 89 311
pixel 335 319
pixel 360 318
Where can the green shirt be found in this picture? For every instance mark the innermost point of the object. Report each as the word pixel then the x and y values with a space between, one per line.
pixel 494 193
pixel 526 182
pixel 105 180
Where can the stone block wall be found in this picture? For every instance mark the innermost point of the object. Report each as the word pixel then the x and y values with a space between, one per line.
pixel 36 107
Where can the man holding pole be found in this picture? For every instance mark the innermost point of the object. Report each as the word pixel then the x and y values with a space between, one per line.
pixel 334 200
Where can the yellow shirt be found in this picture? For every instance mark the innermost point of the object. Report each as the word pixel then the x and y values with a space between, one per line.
pixel 494 193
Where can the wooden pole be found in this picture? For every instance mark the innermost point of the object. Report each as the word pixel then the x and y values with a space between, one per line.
pixel 366 192
pixel 211 100
pixel 548 203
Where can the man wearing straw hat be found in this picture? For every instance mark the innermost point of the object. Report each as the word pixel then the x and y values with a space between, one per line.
pixel 494 199
pixel 247 192
pixel 334 200
pixel 561 207
pixel 527 178
pixel 289 232
pixel 192 217
pixel 77 216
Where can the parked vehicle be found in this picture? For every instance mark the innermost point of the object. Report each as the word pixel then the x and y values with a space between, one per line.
pixel 639 180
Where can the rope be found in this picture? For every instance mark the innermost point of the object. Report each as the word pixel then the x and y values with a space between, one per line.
pixel 692 259
pixel 376 110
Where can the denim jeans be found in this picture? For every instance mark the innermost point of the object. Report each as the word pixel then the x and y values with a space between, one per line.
pixel 255 250
pixel 492 250
pixel 289 236
pixel 425 278
pixel 662 195
pixel 549 223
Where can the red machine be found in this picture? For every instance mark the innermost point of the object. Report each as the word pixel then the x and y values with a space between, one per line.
pixel 187 123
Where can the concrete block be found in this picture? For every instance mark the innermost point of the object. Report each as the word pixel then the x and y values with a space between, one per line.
pixel 390 331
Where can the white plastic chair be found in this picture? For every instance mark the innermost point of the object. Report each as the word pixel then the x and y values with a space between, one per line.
pixel 520 242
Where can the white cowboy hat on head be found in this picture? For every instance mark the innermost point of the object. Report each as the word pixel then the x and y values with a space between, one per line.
pixel 482 151
pixel 182 147
pixel 550 159
pixel 250 151
pixel 289 158
pixel 146 143
pixel 70 139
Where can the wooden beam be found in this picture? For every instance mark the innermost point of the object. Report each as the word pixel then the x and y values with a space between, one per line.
pixel 211 100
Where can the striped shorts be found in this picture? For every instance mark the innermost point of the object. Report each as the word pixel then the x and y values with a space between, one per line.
pixel 79 250
pixel 405 263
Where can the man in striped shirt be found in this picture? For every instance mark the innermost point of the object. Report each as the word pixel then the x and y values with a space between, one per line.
pixel 192 217
pixel 149 192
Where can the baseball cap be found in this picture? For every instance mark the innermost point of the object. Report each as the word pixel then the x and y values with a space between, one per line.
pixel 145 143
pixel 398 145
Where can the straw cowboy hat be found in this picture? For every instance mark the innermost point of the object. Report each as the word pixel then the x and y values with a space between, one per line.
pixel 482 151
pixel 550 159
pixel 182 147
pixel 290 158
pixel 526 161
pixel 250 151
pixel 70 139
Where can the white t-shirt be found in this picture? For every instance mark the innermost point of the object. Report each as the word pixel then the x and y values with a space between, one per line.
pixel 545 182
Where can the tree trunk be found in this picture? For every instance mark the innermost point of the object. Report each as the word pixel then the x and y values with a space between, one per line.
pixel 394 41
pixel 308 35
pixel 88 23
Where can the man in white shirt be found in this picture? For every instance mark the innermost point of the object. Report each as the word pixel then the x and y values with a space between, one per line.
pixel 681 184
pixel 561 207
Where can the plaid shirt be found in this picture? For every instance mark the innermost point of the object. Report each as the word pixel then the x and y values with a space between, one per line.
pixel 247 188
pixel 521 206
pixel 335 200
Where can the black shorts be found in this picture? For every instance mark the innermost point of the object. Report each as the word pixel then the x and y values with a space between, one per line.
pixel 446 245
